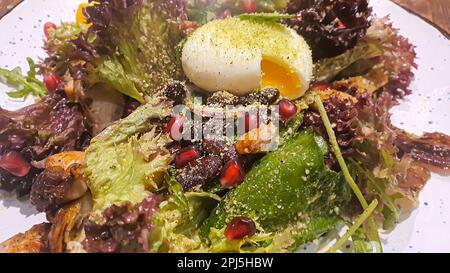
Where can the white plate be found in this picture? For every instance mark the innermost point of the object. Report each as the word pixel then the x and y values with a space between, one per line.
pixel 425 230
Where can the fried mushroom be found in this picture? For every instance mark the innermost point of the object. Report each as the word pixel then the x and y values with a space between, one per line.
pixel 33 240
pixel 61 182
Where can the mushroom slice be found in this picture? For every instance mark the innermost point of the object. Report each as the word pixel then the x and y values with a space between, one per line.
pixel 61 182
pixel 67 223
pixel 102 106
pixel 32 241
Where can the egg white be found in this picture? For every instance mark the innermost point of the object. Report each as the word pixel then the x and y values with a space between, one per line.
pixel 226 55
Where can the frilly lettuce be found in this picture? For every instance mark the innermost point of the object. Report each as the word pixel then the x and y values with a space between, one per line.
pixel 383 48
pixel 127 45
pixel 63 47
pixel 128 159
pixel 175 230
pixel 139 38
pixel 284 240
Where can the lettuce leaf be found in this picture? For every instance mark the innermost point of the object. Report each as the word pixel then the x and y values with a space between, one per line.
pixel 139 38
pixel 382 48
pixel 112 73
pixel 290 187
pixel 25 85
pixel 128 159
pixel 398 56
pixel 389 209
pixel 172 232
pixel 286 240
pixel 50 126
pixel 330 27
pixel 203 11
pixel 326 70
pixel 69 42
pixel 127 45
pixel 177 193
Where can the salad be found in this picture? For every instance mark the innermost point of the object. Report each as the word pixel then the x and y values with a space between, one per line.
pixel 215 126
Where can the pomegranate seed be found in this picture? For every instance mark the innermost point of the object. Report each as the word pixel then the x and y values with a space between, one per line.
pixel 175 127
pixel 320 86
pixel 251 121
pixel 248 6
pixel 239 228
pixel 225 14
pixel 15 164
pixel 47 27
pixel 51 81
pixel 340 24
pixel 232 175
pixel 185 156
pixel 287 109
pixel 128 110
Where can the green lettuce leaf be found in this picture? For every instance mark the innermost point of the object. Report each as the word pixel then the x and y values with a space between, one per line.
pixel 326 70
pixel 289 188
pixel 177 193
pixel 112 73
pixel 285 240
pixel 25 85
pixel 141 46
pixel 172 232
pixel 361 244
pixel 128 159
pixel 203 11
pixel 379 186
pixel 130 47
pixel 58 38
pixel 63 47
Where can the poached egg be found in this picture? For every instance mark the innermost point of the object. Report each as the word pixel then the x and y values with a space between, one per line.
pixel 242 56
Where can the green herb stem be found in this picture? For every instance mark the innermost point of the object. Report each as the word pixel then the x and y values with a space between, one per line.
pixel 343 165
pixel 359 221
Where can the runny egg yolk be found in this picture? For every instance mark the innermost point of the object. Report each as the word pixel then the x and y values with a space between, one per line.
pixel 278 76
